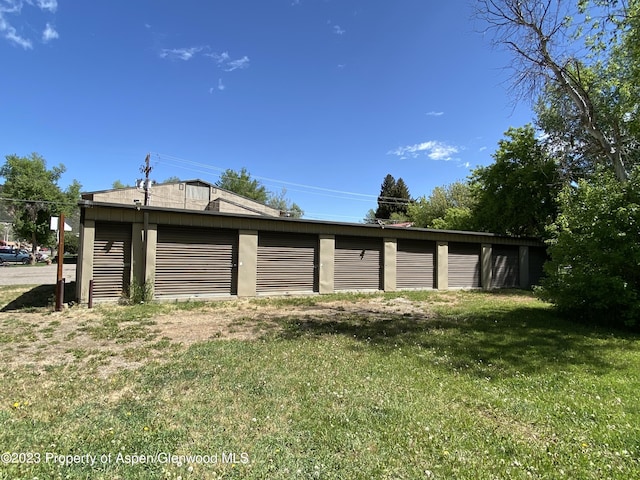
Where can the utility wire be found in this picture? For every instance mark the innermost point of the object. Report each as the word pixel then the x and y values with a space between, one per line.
pixel 364 196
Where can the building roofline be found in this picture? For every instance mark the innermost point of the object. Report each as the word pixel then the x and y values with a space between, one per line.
pixel 151 208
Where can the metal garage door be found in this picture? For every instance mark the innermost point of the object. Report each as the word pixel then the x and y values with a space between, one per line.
pixel 505 266
pixel 287 263
pixel 195 261
pixel 415 264
pixel 357 264
pixel 464 265
pixel 111 260
pixel 537 258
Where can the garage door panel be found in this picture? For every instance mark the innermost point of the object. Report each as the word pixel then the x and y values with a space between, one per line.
pixel 195 261
pixel 287 263
pixel 357 264
pixel 415 264
pixel 111 260
pixel 537 258
pixel 464 265
pixel 505 265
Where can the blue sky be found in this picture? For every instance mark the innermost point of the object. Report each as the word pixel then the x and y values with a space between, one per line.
pixel 322 97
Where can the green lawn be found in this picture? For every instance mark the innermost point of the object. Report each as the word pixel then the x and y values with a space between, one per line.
pixel 468 385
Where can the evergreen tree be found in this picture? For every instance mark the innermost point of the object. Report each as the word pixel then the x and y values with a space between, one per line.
pixel 387 191
pixel 394 198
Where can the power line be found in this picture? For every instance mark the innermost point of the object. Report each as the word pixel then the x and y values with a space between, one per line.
pixel 365 197
pixel 48 202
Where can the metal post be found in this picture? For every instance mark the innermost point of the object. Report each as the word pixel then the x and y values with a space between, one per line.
pixel 59 295
pixel 90 293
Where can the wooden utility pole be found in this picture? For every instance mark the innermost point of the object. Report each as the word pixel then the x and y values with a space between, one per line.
pixel 60 278
pixel 146 169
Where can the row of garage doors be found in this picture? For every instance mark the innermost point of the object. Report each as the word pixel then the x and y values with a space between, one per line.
pixel 204 262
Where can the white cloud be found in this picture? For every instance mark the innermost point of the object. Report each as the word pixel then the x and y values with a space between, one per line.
pixel 179 53
pixel 237 64
pixel 338 30
pixel 49 34
pixel 14 7
pixel 50 5
pixel 10 33
pixel 221 86
pixel 225 63
pixel 434 114
pixel 432 149
pixel 10 6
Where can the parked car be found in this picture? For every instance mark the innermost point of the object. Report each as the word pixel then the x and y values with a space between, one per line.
pixel 14 255
pixel 42 257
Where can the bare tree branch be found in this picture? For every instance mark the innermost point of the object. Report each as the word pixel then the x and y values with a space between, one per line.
pixel 537 32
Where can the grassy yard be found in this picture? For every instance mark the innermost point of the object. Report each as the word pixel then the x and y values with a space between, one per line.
pixel 435 385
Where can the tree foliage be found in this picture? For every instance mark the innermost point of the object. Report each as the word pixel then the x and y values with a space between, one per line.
pixel 279 201
pixel 394 198
pixel 242 184
pixel 172 179
pixel 549 39
pixel 118 185
pixel 517 193
pixel 447 207
pixel 594 272
pixel 32 196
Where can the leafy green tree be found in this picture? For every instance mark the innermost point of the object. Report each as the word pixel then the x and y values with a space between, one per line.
pixel 242 184
pixel 118 185
pixel 370 217
pixel 517 193
pixel 594 272
pixel 431 212
pixel 172 179
pixel 455 218
pixel 32 196
pixel 279 201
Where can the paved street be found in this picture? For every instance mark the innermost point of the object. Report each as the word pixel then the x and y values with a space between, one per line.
pixel 39 275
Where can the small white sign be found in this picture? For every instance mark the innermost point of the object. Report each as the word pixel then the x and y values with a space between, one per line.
pixel 54 225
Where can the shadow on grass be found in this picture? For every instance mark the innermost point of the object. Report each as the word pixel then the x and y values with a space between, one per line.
pixel 512 339
pixel 41 296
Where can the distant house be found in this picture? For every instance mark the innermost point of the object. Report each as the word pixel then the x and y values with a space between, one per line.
pixel 185 195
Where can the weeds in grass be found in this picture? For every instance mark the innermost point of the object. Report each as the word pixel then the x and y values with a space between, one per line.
pixel 470 385
pixel 138 293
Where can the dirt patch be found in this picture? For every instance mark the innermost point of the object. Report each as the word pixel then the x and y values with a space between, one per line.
pixel 244 320
pixel 83 338
pixel 41 341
